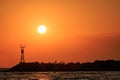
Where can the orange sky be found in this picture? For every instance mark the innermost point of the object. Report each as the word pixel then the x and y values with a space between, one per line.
pixel 77 30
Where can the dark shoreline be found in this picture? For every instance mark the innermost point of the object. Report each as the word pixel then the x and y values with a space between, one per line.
pixel 98 65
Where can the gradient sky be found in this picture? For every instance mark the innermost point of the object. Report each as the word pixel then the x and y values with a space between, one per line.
pixel 77 30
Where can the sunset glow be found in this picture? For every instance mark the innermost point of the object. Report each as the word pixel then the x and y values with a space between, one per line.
pixel 59 30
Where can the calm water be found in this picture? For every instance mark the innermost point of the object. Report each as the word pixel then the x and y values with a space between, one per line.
pixel 60 75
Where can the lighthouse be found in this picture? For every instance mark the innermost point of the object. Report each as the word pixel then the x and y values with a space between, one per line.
pixel 22 60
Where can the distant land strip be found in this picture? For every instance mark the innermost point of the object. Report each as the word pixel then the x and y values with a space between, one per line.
pixel 98 65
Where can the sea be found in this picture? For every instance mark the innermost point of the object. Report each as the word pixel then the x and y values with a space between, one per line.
pixel 77 75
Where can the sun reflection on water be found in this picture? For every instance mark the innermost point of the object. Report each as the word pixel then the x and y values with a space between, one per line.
pixel 43 79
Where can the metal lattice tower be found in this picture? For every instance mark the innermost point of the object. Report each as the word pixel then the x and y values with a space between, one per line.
pixel 22 60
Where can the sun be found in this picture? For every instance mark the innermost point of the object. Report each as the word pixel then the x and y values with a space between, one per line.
pixel 42 29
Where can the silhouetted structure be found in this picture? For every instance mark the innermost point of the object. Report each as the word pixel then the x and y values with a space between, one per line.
pixel 22 60
pixel 98 65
